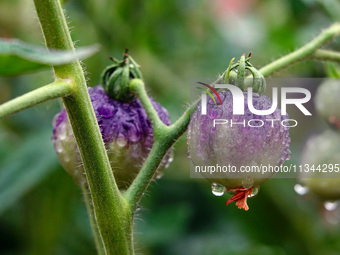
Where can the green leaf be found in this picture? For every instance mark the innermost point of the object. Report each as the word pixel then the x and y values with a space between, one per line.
pixel 26 167
pixel 18 57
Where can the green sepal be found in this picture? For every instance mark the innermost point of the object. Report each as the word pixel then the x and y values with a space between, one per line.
pixel 135 68
pixel 236 75
pixel 122 89
pixel 111 85
pixel 241 73
pixel 258 81
pixel 116 78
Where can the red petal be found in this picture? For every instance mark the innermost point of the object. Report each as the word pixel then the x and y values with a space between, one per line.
pixel 240 197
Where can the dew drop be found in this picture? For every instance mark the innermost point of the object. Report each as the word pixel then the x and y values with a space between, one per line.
pixel 301 190
pixel 66 158
pixel 289 155
pixel 159 175
pixel 217 189
pixel 330 206
pixel 247 182
pixel 134 137
pixel 254 192
pixel 331 213
pixel 135 150
pixel 62 132
pixel 121 140
pixel 58 147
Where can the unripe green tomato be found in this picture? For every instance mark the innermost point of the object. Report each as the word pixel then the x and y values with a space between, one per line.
pixel 327 101
pixel 322 151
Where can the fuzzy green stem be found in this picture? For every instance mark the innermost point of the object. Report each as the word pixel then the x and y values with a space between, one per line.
pixel 111 210
pixel 51 91
pixel 165 137
pixel 160 147
pixel 307 50
pixel 326 55
pixel 95 231
pixel 137 87
pixel 181 125
pixel 145 175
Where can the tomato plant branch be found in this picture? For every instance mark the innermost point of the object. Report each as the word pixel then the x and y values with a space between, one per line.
pixel 164 138
pixel 305 51
pixel 51 91
pixel 137 87
pixel 326 55
pixel 181 125
pixel 145 175
pixel 111 210
pixel 89 206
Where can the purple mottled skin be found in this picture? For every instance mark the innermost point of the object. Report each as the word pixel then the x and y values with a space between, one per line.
pixel 129 119
pixel 126 131
pixel 238 146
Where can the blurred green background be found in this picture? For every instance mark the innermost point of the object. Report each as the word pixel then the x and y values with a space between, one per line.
pixel 42 210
